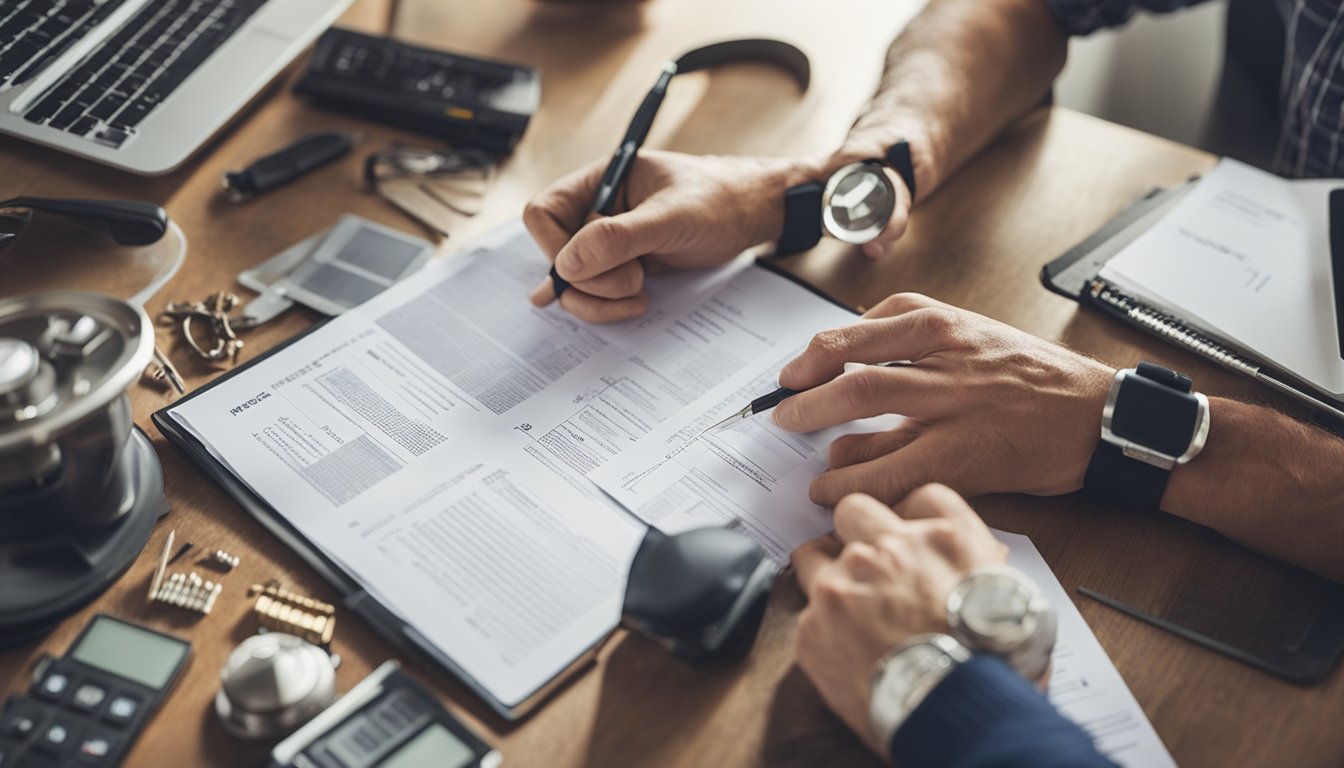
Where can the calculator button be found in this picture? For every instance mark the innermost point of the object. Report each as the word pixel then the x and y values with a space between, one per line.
pixel 58 738
pixel 21 720
pixel 53 686
pixel 88 696
pixel 21 726
pixel 94 749
pixel 122 710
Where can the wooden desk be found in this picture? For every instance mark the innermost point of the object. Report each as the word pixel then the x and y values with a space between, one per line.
pixel 979 243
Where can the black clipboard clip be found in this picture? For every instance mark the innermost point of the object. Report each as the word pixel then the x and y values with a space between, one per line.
pixel 1337 260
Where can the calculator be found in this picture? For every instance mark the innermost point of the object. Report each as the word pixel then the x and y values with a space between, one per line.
pixel 388 720
pixel 463 100
pixel 87 707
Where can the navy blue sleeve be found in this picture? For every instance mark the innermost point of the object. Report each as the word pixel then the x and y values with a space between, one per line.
pixel 1083 17
pixel 984 715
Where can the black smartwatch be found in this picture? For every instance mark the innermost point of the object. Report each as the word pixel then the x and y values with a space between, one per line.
pixel 1152 422
pixel 854 205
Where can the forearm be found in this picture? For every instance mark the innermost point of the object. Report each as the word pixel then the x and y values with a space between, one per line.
pixel 1266 480
pixel 983 714
pixel 954 79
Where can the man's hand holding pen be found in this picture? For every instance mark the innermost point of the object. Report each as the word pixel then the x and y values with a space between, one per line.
pixel 674 210
pixel 989 408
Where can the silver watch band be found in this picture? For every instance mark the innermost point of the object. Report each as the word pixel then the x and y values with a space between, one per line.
pixel 904 678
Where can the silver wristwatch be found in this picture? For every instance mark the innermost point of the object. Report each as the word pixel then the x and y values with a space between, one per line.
pixel 998 610
pixel 905 676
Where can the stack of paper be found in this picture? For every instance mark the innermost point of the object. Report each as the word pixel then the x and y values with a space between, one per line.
pixel 448 444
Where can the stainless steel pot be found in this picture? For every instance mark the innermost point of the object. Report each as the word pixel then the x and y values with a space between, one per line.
pixel 66 360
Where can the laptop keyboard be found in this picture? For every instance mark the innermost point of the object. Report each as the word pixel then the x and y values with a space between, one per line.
pixel 33 32
pixel 116 87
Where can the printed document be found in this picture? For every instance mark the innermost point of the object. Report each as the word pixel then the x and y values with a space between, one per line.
pixel 1245 255
pixel 436 441
pixel 441 444
pixel 1084 685
pixel 754 476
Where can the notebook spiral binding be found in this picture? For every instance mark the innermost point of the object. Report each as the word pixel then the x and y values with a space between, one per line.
pixel 1168 326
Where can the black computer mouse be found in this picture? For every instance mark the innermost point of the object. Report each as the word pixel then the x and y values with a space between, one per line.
pixel 701 593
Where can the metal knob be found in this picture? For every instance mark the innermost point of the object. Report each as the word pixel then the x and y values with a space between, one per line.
pixel 19 364
pixel 272 683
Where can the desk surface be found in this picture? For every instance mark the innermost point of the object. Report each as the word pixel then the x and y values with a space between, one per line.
pixel 978 243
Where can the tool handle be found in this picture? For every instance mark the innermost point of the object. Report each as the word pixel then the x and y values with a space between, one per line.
pixel 288 164
pixel 766 402
pixel 129 222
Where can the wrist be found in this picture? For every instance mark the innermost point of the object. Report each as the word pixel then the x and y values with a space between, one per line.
pixel 775 175
pixel 904 677
pixel 1087 401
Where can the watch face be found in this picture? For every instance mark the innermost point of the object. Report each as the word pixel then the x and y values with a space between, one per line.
pixel 858 202
pixel 996 606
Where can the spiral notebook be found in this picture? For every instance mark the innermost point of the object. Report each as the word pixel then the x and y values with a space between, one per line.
pixel 1235 266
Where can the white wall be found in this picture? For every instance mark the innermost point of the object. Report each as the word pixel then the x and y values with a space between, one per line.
pixel 1158 74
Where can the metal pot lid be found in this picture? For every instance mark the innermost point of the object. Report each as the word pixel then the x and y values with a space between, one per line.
pixel 65 355
pixel 273 682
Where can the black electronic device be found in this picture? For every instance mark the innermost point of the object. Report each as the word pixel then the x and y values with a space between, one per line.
pixel 701 593
pixel 388 720
pixel 87 707
pixel 465 101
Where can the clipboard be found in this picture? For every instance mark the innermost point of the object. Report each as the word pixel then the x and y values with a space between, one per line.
pixel 354 598
pixel 1076 275
pixel 1307 642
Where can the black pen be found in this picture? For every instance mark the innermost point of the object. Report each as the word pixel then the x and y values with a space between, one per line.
pixel 619 167
pixel 766 402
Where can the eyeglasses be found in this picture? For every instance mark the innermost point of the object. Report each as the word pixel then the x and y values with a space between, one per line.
pixel 398 162
pixel 436 187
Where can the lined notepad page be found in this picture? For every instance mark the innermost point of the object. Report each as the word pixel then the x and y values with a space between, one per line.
pixel 1246 255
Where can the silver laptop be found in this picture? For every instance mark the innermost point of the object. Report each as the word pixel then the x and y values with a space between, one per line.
pixel 141 84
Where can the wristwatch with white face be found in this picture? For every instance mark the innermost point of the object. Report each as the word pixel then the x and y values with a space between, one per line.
pixel 998 610
pixel 905 676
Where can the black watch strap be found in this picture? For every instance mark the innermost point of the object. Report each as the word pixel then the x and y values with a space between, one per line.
pixel 802 219
pixel 898 157
pixel 1155 409
pixel 1113 476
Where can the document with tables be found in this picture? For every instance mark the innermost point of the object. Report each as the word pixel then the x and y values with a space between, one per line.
pixel 435 443
pixel 448 445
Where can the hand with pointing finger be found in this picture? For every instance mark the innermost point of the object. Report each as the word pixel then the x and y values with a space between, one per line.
pixel 989 408
pixel 889 581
